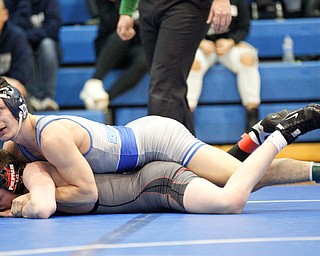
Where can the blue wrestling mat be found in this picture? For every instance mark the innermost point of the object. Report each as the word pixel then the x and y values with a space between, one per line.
pixel 281 220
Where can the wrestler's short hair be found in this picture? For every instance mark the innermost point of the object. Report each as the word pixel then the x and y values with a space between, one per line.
pixel 6 157
pixel 13 99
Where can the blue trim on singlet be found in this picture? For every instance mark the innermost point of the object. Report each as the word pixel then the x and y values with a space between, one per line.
pixel 28 155
pixel 190 153
pixel 38 134
pixel 129 150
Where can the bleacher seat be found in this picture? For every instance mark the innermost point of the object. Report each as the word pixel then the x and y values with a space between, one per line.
pixel 267 36
pixel 72 79
pixel 73 12
pixel 77 41
pixel 284 85
pixel 280 82
pixel 220 124
pixel 225 123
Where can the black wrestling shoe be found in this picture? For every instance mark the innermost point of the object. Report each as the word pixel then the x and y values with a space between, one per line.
pixel 300 122
pixel 268 125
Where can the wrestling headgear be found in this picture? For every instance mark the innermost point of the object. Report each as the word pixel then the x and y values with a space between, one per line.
pixel 14 101
pixel 11 178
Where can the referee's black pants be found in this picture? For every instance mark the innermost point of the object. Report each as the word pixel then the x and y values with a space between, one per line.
pixel 171 31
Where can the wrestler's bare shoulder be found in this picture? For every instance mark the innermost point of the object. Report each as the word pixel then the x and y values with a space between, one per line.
pixel 66 130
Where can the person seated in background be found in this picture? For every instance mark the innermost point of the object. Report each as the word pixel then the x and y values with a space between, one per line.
pixel 15 52
pixel 233 52
pixel 113 53
pixel 41 21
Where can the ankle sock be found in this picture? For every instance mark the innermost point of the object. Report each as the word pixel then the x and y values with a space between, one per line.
pixel 277 139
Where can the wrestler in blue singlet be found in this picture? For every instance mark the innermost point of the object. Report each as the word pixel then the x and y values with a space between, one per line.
pixel 128 148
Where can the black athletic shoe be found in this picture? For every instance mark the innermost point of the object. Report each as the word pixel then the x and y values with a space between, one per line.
pixel 268 125
pixel 299 122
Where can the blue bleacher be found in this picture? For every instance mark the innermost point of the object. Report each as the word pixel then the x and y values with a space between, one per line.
pixel 220 124
pixel 224 124
pixel 284 85
pixel 74 78
pixel 280 82
pixel 267 36
pixel 77 41
pixel 74 11
pixel 220 118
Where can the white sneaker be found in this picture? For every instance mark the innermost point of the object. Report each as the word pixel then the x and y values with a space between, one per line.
pixel 94 96
pixel 49 104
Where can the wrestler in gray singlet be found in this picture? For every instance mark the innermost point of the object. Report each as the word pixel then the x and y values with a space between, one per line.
pixel 157 187
pixel 127 148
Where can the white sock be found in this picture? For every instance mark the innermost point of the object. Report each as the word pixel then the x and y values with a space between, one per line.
pixel 310 171
pixel 277 139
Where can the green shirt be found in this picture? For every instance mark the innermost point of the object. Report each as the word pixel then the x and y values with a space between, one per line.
pixel 127 7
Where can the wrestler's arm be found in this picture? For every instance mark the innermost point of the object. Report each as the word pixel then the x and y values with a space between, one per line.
pixel 60 182
pixel 59 148
pixel 41 179
pixel 40 201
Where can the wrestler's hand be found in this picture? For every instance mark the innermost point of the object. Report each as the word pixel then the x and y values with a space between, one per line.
pixel 18 204
pixel 220 15
pixel 6 214
pixel 125 28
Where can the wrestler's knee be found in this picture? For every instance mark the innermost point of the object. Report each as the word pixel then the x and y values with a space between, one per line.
pixel 234 203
